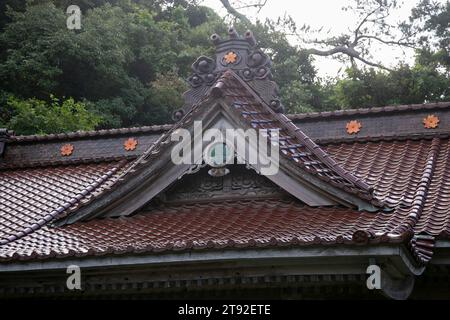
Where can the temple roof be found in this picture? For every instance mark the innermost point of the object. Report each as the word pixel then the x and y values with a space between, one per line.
pixel 411 174
pixel 354 177
pixel 218 225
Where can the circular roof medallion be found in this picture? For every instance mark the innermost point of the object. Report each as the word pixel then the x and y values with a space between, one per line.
pixel 353 127
pixel 431 121
pixel 230 58
pixel 130 144
pixel 66 150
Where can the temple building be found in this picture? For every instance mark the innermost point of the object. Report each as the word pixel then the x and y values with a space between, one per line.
pixel 358 205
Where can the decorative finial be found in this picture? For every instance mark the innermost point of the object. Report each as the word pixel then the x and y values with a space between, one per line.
pixel 233 33
pixel 215 38
pixel 238 53
pixel 250 38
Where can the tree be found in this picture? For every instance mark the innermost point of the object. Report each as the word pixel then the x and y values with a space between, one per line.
pixel 33 116
pixel 404 85
pixel 432 21
pixel 373 84
pixel 112 63
pixel 372 27
pixel 427 80
pixel 128 61
pixel 125 59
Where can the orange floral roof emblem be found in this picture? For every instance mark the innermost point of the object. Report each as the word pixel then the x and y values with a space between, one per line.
pixel 230 57
pixel 353 127
pixel 130 144
pixel 431 121
pixel 66 150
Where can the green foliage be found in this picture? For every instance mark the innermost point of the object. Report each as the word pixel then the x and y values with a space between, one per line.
pixel 404 85
pixel 167 92
pixel 125 66
pixel 32 45
pixel 297 97
pixel 365 88
pixel 119 63
pixel 32 116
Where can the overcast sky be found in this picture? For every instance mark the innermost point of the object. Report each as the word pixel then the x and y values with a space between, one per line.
pixel 326 13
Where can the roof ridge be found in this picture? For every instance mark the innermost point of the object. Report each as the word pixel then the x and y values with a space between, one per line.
pixel 419 243
pixel 339 177
pixel 402 137
pixel 370 110
pixel 168 126
pixel 89 133
pixel 425 180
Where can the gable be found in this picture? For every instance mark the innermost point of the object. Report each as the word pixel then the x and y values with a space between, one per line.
pixel 321 194
pixel 311 182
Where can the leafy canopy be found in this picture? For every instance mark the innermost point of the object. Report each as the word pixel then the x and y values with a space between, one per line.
pixel 33 116
pixel 126 66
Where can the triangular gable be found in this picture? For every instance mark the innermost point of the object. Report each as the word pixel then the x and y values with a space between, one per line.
pixel 306 171
pixel 304 176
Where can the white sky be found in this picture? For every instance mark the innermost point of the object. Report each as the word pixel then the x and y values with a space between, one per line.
pixel 326 13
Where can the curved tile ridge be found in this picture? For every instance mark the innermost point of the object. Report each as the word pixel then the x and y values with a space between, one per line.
pixel 73 201
pixel 401 137
pixel 422 188
pixel 65 161
pixel 91 134
pixel 421 245
pixel 374 110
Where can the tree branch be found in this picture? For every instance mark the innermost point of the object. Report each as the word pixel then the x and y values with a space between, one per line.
pixel 389 42
pixel 258 5
pixel 349 51
pixel 364 20
pixel 231 10
pixel 373 64
pixel 372 23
